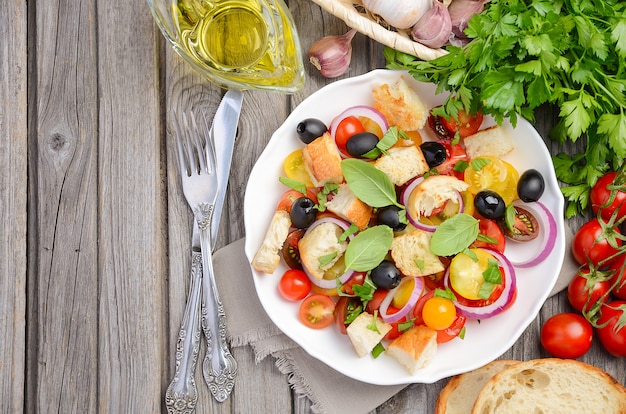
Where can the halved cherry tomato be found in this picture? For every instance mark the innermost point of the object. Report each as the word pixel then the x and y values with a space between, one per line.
pixel 344 307
pixel 492 230
pixel 466 278
pixel 491 173
pixel 466 126
pixel 316 311
pixel 294 285
pixel 290 251
pixel 374 303
pixel 356 279
pixel 290 196
pixel 454 154
pixel 294 168
pixel 370 126
pixel 348 126
pixel 395 326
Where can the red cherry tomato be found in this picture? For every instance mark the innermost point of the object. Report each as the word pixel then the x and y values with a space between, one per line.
pixel 567 335
pixel 618 280
pixel 291 253
pixel 467 125
pixel 294 285
pixel 591 244
pixel 613 334
pixel 492 230
pixel 377 298
pixel 316 311
pixel 356 279
pixel 348 126
pixel 454 154
pixel 345 306
pixel 395 326
pixel 288 198
pixel 587 288
pixel 600 196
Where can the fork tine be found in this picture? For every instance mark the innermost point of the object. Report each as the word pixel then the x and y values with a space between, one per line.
pixel 182 158
pixel 204 150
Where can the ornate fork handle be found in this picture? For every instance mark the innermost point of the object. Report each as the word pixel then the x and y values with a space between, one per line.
pixel 219 367
pixel 181 395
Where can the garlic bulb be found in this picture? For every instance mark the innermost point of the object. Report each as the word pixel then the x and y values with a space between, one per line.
pixel 331 55
pixel 434 28
pixel 461 11
pixel 401 14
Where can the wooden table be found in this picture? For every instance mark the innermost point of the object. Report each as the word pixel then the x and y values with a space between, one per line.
pixel 95 230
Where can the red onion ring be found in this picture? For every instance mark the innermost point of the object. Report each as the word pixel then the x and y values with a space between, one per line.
pixel 406 194
pixel 484 312
pixel 547 227
pixel 329 283
pixel 418 288
pixel 359 110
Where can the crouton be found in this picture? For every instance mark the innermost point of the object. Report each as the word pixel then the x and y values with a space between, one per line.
pixel 492 141
pixel 401 105
pixel 412 255
pixel 415 348
pixel 267 257
pixel 322 161
pixel 319 243
pixel 402 163
pixel 363 335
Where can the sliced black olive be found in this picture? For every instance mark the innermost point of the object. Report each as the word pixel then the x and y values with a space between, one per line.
pixel 389 216
pixel 489 204
pixel 530 186
pixel 303 212
pixel 434 153
pixel 386 275
pixel 361 143
pixel 310 129
pixel 524 226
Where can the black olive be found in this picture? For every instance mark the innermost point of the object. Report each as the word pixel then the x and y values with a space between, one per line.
pixel 303 212
pixel 310 129
pixel 524 227
pixel 489 204
pixel 386 275
pixel 361 143
pixel 389 217
pixel 530 186
pixel 434 153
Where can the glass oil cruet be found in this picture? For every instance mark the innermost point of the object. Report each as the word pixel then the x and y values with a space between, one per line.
pixel 241 44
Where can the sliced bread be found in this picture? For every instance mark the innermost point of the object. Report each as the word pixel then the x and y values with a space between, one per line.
pixel 551 385
pixel 459 394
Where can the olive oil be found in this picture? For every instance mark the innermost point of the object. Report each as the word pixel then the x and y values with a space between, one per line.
pixel 250 42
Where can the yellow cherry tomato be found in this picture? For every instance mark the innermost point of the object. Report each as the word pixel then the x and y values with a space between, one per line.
pixel 438 313
pixel 403 293
pixel 370 126
pixel 466 273
pixel 294 168
pixel 491 173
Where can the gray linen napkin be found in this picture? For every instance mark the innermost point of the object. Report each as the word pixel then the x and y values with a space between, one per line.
pixel 248 324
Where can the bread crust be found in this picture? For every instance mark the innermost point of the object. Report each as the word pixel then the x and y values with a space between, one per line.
pixel 459 394
pixel 322 161
pixel 552 384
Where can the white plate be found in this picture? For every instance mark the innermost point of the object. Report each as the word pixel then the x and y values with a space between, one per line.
pixel 483 342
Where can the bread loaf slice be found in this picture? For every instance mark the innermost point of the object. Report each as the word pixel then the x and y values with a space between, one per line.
pixel 459 394
pixel 551 385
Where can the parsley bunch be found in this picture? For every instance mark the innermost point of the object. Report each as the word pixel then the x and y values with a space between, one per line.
pixel 526 53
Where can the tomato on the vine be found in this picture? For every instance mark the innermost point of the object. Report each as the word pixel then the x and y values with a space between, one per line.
pixel 567 335
pixel 612 327
pixel 466 126
pixel 317 311
pixel 294 285
pixel 348 127
pixel 591 243
pixel 586 288
pixel 607 200
pixel 618 279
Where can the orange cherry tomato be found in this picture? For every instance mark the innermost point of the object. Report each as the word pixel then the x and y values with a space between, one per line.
pixel 317 311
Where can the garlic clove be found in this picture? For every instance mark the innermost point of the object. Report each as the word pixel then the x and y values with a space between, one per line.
pixel 331 55
pixel 401 14
pixel 461 11
pixel 434 28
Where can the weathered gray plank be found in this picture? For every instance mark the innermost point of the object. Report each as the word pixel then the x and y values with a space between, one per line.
pixel 13 198
pixel 132 215
pixel 62 226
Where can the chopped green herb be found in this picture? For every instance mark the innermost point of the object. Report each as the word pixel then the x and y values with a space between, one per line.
pixel 348 232
pixel 293 184
pixel 373 326
pixel 378 349
pixel 326 259
pixel 405 326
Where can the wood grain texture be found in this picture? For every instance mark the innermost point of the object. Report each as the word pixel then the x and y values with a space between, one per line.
pixel 95 254
pixel 13 201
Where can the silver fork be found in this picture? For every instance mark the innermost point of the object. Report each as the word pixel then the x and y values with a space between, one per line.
pixel 200 186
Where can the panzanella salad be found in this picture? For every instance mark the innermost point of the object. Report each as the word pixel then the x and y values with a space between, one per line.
pixel 394 224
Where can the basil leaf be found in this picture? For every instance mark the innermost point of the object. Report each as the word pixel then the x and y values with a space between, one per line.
pixel 368 249
pixel 293 184
pixel 368 183
pixel 454 235
pixel 326 259
pixel 348 232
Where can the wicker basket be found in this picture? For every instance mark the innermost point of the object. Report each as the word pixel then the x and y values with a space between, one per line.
pixel 354 15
